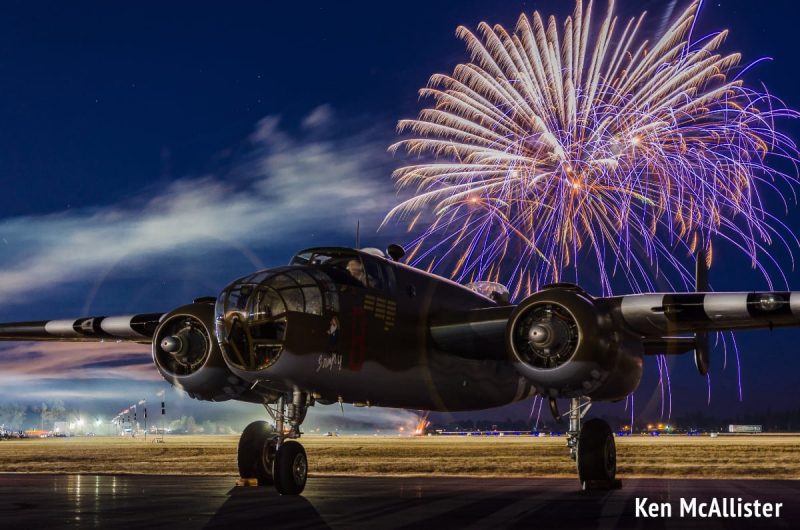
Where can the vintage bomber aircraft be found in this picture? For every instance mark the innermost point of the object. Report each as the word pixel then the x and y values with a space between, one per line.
pixel 355 326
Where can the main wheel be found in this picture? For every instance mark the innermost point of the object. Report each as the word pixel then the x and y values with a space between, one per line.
pixel 256 452
pixel 291 468
pixel 597 454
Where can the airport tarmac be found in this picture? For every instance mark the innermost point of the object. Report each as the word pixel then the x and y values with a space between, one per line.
pixel 137 501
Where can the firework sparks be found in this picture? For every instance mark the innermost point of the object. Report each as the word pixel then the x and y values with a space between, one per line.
pixel 573 142
pixel 423 423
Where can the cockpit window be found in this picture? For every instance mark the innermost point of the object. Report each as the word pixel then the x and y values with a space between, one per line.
pixel 390 281
pixel 356 269
pixel 301 259
pixel 374 275
pixel 344 267
pixel 348 267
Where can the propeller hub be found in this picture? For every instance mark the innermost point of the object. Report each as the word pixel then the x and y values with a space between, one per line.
pixel 171 344
pixel 540 335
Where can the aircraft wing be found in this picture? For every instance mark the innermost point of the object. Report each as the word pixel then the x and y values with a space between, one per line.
pixel 656 314
pixel 670 323
pixel 129 328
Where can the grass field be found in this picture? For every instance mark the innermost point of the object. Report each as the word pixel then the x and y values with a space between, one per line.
pixel 700 457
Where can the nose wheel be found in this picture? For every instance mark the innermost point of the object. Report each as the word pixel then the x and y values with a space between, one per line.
pixel 256 453
pixel 290 470
pixel 269 455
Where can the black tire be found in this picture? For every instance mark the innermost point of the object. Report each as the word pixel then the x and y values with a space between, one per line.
pixel 255 452
pixel 597 453
pixel 291 468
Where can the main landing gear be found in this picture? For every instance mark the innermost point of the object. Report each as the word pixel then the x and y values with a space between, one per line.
pixel 592 447
pixel 270 455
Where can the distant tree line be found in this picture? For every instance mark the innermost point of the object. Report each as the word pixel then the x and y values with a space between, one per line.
pixel 188 425
pixel 18 416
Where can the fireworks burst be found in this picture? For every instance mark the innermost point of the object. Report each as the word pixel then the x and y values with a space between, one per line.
pixel 559 144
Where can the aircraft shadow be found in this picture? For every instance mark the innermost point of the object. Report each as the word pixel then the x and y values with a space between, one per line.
pixel 263 506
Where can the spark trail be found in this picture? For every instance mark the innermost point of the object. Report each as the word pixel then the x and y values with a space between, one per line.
pixel 583 143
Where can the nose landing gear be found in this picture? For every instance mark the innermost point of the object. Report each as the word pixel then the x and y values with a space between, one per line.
pixel 593 449
pixel 270 455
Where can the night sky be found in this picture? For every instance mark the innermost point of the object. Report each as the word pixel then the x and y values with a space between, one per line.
pixel 150 152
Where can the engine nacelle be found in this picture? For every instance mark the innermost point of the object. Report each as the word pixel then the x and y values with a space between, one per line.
pixel 567 346
pixel 187 355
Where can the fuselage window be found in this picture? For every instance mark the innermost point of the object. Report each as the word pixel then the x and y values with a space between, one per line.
pixel 266 354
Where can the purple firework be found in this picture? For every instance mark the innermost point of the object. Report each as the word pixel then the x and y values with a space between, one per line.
pixel 566 142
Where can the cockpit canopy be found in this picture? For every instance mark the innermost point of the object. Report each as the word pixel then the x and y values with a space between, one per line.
pixel 346 266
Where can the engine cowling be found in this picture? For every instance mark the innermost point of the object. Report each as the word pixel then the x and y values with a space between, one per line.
pixel 568 346
pixel 187 355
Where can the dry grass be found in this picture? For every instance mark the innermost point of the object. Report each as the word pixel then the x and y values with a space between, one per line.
pixel 698 457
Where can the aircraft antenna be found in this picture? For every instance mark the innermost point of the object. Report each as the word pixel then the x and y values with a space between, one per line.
pixel 358 233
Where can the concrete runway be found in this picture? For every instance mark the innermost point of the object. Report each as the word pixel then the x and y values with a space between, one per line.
pixel 131 501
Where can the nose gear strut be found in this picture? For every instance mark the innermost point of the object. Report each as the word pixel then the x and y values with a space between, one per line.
pixel 270 455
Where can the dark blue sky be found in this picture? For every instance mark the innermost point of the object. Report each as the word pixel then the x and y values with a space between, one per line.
pixel 115 113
